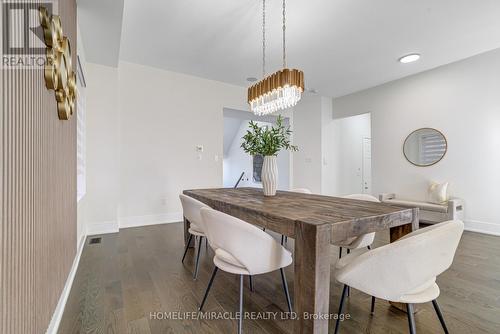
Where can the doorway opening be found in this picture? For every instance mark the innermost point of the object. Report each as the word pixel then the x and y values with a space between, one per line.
pixel 239 168
pixel 354 155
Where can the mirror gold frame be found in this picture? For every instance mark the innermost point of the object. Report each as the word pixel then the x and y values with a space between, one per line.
pixel 435 162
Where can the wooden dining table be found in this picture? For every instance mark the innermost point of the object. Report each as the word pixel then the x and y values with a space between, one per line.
pixel 315 222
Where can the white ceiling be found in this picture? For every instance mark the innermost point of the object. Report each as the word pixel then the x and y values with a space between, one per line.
pixel 100 23
pixel 342 45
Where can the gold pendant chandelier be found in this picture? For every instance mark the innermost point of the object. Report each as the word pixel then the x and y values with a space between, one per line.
pixel 280 90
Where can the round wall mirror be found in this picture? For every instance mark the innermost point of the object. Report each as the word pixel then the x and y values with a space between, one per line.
pixel 425 147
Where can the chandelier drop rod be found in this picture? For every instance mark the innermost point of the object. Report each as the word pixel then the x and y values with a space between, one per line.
pixel 263 38
pixel 284 33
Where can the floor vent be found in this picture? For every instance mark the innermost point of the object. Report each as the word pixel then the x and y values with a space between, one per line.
pixel 95 241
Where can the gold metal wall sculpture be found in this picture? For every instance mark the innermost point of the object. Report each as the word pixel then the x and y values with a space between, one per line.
pixel 59 74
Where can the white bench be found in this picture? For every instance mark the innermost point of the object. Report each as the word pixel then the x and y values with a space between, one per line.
pixel 429 212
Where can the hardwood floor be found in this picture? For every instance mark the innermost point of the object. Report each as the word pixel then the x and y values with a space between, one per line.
pixel 133 276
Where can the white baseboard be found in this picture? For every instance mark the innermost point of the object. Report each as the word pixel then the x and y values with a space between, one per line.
pixel 136 221
pixel 132 221
pixel 61 304
pixel 482 227
pixel 102 227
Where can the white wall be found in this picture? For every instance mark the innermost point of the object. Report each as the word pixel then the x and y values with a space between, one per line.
pixel 164 115
pixel 316 134
pixel 307 135
pixel 103 135
pixel 143 125
pixel 463 101
pixel 331 152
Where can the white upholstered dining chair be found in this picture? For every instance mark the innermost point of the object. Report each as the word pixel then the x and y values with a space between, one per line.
pixel 243 249
pixel 361 241
pixel 191 209
pixel 404 271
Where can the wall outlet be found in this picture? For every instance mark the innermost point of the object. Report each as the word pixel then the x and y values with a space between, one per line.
pixel 199 148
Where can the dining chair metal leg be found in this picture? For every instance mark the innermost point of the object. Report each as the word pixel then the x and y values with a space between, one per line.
pixel 251 282
pixel 337 324
pixel 240 318
pixel 285 287
pixel 411 318
pixel 340 253
pixel 282 239
pixel 369 247
pixel 187 247
pixel 286 239
pixel 348 288
pixel 208 288
pixel 372 310
pixel 440 315
pixel 195 274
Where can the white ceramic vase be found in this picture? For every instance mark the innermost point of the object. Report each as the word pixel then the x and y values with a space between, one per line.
pixel 269 175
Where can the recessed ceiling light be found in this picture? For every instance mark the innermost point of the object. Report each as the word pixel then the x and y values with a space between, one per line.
pixel 251 79
pixel 409 58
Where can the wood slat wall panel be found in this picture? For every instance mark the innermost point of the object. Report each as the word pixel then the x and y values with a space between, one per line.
pixel 38 194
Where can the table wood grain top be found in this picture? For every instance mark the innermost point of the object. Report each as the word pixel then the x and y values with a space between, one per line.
pixel 348 217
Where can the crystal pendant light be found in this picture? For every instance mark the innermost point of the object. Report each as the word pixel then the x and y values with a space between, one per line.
pixel 280 90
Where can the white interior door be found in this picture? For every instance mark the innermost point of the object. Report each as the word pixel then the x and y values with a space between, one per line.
pixel 367 166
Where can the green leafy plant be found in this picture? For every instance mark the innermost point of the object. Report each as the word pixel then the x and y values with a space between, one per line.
pixel 265 140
